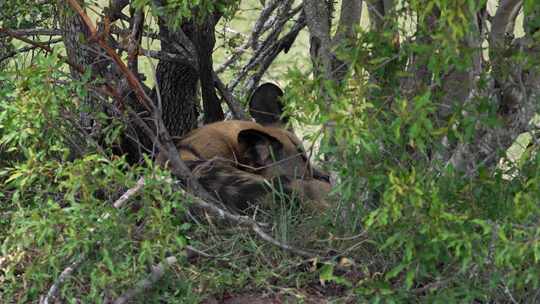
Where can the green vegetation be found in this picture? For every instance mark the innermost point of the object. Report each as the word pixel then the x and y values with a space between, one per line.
pixel 409 221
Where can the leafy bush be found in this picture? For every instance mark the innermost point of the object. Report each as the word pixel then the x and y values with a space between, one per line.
pixel 435 232
pixel 58 210
pixel 409 225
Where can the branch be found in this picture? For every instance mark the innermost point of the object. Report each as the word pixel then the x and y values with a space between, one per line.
pixel 156 274
pixel 27 49
pixel 43 46
pixel 434 285
pixel 114 11
pixel 351 11
pixel 134 41
pixel 125 32
pixel 129 193
pixel 130 77
pixel 504 17
pixel 35 32
pixel 15 35
pixel 283 44
pixel 64 275
pixel 222 214
pixel 247 222
pixel 252 41
pixel 265 14
pixel 268 47
pixel 233 104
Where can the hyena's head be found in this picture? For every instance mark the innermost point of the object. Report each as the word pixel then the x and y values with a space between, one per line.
pixel 274 149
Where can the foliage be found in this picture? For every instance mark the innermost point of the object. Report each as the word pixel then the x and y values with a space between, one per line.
pixel 24 14
pixel 57 209
pixel 438 234
pixel 178 10
pixel 408 226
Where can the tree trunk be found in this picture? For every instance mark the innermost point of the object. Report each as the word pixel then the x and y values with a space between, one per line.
pixel 74 34
pixel 204 42
pixel 177 81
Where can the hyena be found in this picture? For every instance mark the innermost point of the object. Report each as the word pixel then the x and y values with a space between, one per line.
pixel 241 161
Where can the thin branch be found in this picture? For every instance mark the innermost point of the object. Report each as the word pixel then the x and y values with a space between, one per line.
pixel 265 14
pixel 129 193
pixel 134 40
pixel 130 77
pixel 264 49
pixel 283 44
pixel 114 11
pixel 266 237
pixel 108 91
pixel 125 32
pixel 252 41
pixel 156 274
pixel 64 275
pixel 229 98
pixel 15 35
pixel 27 49
pixel 193 252
pixel 35 32
pixel 434 285
pixel 233 58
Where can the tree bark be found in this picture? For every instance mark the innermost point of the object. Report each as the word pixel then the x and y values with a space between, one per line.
pixel 75 34
pixel 204 41
pixel 176 90
pixel 517 84
pixel 318 21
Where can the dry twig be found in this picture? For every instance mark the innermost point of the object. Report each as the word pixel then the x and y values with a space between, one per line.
pixel 129 193
pixel 155 275
pixel 64 275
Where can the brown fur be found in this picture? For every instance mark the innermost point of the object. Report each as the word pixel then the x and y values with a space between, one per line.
pixel 238 160
pixel 221 139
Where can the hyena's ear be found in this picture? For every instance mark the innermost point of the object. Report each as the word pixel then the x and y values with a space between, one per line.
pixel 260 148
pixel 265 105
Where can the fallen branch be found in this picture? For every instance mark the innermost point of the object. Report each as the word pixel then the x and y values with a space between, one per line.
pixel 434 285
pixel 156 274
pixel 266 237
pixel 246 222
pixel 64 275
pixel 129 193
pixel 222 214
